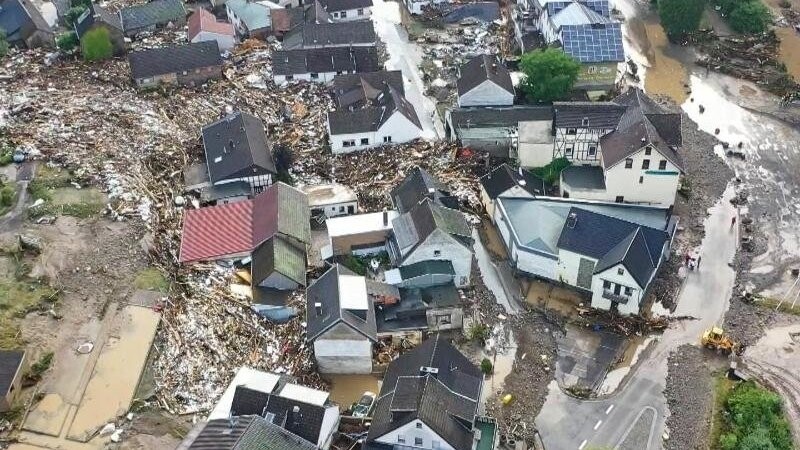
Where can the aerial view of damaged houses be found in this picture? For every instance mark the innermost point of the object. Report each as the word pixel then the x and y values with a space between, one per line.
pixel 400 224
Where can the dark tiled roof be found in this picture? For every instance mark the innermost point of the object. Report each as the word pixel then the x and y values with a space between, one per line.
pixel 344 5
pixel 427 267
pixel 325 290
pixel 492 117
pixel 10 361
pixel 373 116
pixel 609 239
pixel 278 255
pixel 237 146
pixel 504 177
pixel 426 218
pixel 96 14
pixel 644 123
pixel 415 187
pixel 483 11
pixel 20 18
pixel 247 433
pixel 446 402
pixel 482 68
pixel 584 177
pixel 157 12
pixel 307 424
pixel 600 115
pixel 359 89
pixel 174 59
pixel 321 60
pixel 330 34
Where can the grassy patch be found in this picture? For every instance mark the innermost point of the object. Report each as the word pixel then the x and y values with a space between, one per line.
pixel 750 417
pixel 551 173
pixel 722 389
pixel 8 196
pixel 34 374
pixel 48 179
pixel 151 279
pixel 79 210
pixel 772 303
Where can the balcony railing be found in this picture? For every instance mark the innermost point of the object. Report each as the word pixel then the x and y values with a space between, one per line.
pixel 617 298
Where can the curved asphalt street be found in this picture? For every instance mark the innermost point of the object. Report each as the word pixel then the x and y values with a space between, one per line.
pixel 566 423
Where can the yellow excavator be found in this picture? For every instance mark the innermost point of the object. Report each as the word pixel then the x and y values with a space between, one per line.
pixel 715 339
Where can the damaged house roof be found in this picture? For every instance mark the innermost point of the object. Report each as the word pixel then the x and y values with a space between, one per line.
pixel 156 12
pixel 203 20
pixel 322 60
pixel 446 401
pixel 359 89
pixel 339 296
pixel 504 177
pixel 308 35
pixel 255 15
pixel 20 19
pixel 237 146
pixel 482 68
pixel 235 229
pixel 372 116
pixel 251 432
pixel 96 14
pixel 416 187
pixel 174 59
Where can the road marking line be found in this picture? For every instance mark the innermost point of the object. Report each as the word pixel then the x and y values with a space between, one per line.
pixel 583 444
pixel 609 409
pixel 597 425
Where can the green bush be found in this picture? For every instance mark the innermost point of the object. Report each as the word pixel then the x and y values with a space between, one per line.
pixel 750 17
pixel 478 332
pixel 3 43
pixel 755 420
pixel 680 17
pixel 549 74
pixel 486 366
pixel 6 196
pixel 551 173
pixel 6 157
pixel 96 45
pixel 67 42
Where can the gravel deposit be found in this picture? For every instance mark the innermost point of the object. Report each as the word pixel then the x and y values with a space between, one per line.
pixel 689 393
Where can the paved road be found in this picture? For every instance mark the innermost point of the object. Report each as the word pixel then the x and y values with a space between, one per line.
pixel 608 422
pixel 502 284
pixel 406 56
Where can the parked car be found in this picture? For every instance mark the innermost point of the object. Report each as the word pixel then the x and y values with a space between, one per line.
pixel 364 406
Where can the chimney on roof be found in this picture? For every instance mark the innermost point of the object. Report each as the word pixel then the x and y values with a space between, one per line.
pixel 385 218
pixel 296 417
pixel 318 308
pixel 572 220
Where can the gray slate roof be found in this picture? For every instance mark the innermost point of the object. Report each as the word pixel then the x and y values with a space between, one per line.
pixel 250 432
pixel 482 68
pixel 483 11
pixel 427 267
pixel 600 115
pixel 278 255
pixel 612 241
pixel 643 123
pixel 306 425
pixel 325 290
pixel 418 185
pixel 321 60
pixel 359 89
pixel 411 229
pixel 20 18
pixel 174 59
pixel 96 14
pixel 373 116
pixel 504 177
pixel 254 15
pixel 358 32
pixel 493 117
pixel 344 5
pixel 10 361
pixel 584 177
pixel 155 13
pixel 446 402
pixel 237 146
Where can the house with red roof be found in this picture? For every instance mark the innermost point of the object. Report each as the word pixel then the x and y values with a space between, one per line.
pixel 274 227
pixel 203 26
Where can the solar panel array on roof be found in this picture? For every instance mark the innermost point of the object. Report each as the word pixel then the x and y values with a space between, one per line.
pixel 593 43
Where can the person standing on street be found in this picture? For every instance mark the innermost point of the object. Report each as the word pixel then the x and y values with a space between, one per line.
pixel 699 258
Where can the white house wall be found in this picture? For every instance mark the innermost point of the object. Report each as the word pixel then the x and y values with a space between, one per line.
pixel 486 94
pixel 408 432
pixel 330 424
pixel 225 42
pixel 612 275
pixel 657 187
pixel 566 190
pixel 449 250
pixel 568 266
pixel 398 127
pixel 343 356
pixel 351 14
pixel 323 77
pixel 524 259
pixel 535 148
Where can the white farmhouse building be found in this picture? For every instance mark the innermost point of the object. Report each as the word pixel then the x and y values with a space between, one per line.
pixel 372 111
pixel 609 250
pixel 348 10
pixel 484 81
pixel 322 64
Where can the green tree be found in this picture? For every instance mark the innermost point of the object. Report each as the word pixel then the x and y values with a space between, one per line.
pixel 73 14
pixel 84 3
pixel 486 366
pixel 3 43
pixel 680 17
pixel 67 42
pixel 96 45
pixel 750 17
pixel 549 74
